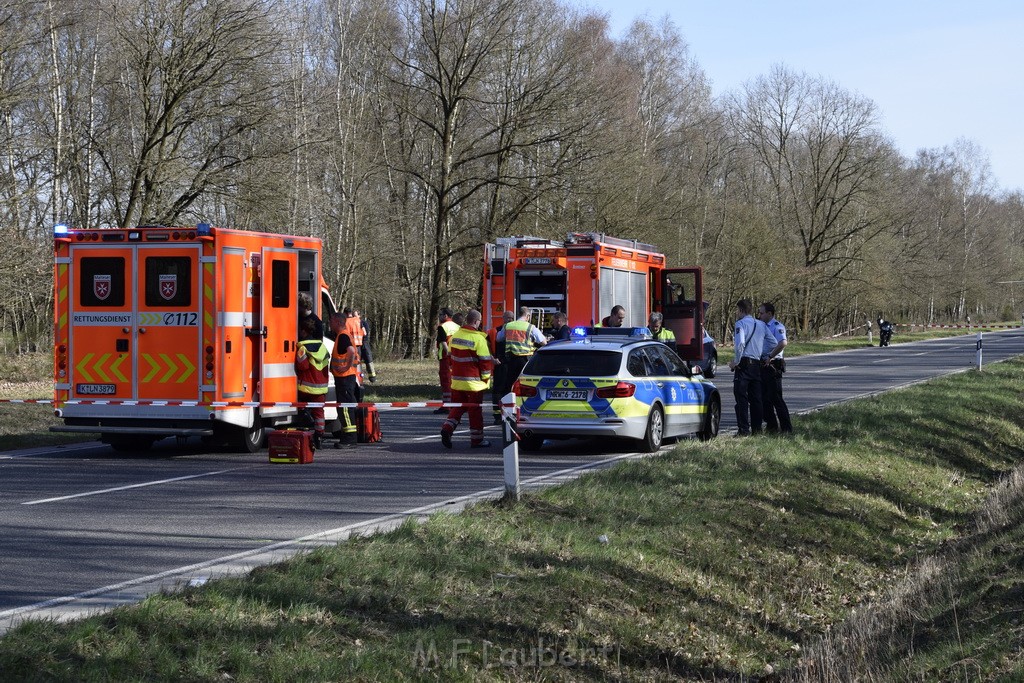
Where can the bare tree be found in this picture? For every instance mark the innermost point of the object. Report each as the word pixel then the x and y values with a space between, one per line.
pixel 192 79
pixel 825 162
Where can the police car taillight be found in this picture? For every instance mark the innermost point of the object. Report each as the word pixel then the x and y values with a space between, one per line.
pixel 620 390
pixel 524 390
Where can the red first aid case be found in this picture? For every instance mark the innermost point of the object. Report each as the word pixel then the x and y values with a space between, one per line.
pixel 292 446
pixel 368 425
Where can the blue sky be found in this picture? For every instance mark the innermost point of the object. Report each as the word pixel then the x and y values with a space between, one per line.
pixel 938 70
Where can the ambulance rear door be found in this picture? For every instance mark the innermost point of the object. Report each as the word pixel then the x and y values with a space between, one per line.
pixel 278 323
pixel 168 322
pixel 102 322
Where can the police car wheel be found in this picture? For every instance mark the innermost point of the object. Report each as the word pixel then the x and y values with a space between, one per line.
pixel 655 430
pixel 712 421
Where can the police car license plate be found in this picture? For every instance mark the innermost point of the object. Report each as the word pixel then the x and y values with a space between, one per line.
pixel 96 389
pixel 568 394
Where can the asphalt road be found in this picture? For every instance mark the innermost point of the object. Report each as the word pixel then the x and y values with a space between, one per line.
pixel 85 528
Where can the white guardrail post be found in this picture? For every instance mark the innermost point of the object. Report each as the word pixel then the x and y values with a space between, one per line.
pixel 979 349
pixel 510 445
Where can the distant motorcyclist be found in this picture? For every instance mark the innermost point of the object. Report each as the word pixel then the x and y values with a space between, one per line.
pixel 885 329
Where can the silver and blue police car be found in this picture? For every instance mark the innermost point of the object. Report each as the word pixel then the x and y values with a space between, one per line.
pixel 613 382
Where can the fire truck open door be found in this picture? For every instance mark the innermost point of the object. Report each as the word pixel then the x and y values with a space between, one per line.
pixel 278 324
pixel 681 301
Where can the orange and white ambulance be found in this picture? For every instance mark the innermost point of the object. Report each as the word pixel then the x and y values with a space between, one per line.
pixel 165 331
pixel 584 276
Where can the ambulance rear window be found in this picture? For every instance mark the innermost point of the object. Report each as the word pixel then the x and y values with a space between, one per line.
pixel 168 281
pixel 101 281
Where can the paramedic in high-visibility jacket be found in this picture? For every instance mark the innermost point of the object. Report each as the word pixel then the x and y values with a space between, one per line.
pixel 520 338
pixel 345 368
pixel 311 359
pixel 472 365
pixel 445 330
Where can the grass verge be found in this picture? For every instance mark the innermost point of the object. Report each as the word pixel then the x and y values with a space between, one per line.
pixel 729 560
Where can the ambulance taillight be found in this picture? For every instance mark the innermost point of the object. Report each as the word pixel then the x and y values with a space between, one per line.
pixel 209 362
pixel 62 361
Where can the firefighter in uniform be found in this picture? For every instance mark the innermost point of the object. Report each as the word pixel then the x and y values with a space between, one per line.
pixel 521 338
pixel 365 352
pixel 471 375
pixel 345 368
pixel 311 361
pixel 498 351
pixel 444 368
pixel 356 332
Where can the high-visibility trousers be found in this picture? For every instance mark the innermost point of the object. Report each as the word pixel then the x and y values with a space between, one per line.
pixel 476 414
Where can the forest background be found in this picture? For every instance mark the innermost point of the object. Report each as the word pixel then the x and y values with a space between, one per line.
pixel 407 133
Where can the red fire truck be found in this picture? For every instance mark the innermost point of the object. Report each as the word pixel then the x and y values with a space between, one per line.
pixel 584 276
pixel 156 327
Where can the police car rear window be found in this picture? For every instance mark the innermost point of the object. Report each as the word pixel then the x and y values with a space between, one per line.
pixel 573 362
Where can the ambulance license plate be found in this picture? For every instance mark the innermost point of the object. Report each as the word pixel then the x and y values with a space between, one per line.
pixel 568 394
pixel 96 389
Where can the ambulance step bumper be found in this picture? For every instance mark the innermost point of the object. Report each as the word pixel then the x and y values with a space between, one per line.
pixel 155 431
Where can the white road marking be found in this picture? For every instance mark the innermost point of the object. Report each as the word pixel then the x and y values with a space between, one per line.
pixel 125 488
pixel 881 360
pixel 923 353
pixel 50 450
pixel 291 546
pixel 461 431
pixel 830 369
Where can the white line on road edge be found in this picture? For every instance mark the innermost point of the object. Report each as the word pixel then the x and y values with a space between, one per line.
pixel 132 486
pixel 840 367
pixel 101 599
pixel 881 360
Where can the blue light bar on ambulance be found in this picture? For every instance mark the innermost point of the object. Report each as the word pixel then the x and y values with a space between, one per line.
pixel 203 229
pixel 60 229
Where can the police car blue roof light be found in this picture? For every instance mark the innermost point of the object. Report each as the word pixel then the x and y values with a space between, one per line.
pixel 631 332
pixel 60 229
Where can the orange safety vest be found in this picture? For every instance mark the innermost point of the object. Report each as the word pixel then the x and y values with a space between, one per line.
pixel 354 329
pixel 344 362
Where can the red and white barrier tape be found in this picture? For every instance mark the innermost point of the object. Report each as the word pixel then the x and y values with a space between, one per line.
pixel 852 329
pixel 242 404
pixel 973 326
